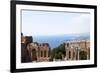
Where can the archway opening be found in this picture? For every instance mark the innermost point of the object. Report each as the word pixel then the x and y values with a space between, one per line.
pixel 69 54
pixel 34 56
pixel 83 55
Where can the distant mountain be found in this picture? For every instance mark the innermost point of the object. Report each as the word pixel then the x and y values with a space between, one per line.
pixel 82 36
pixel 55 41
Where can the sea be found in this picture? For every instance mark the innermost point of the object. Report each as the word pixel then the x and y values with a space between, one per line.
pixel 56 40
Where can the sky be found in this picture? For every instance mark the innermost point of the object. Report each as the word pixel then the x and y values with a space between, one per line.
pixel 50 23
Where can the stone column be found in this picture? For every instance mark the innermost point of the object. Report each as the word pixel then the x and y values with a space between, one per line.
pixel 78 53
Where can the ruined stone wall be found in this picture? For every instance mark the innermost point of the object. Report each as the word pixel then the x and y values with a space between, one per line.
pixel 73 49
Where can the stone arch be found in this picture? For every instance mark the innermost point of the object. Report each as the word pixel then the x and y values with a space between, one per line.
pixel 33 50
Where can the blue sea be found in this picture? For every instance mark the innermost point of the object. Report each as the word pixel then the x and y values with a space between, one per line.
pixel 55 41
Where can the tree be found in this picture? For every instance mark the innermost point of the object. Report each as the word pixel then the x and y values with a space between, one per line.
pixel 58 52
pixel 83 55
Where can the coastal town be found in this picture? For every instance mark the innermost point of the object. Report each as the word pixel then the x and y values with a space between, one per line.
pixel 41 52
